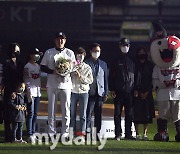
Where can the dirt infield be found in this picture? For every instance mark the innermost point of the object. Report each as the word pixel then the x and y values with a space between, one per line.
pixel 108 109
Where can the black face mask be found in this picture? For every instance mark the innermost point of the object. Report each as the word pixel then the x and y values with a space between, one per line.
pixel 15 54
pixel 60 49
pixel 142 57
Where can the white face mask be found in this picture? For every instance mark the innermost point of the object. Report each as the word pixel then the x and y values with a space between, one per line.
pixel 36 57
pixel 95 55
pixel 125 49
pixel 20 90
pixel 80 58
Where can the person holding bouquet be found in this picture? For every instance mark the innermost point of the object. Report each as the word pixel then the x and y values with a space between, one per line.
pixel 81 80
pixel 58 82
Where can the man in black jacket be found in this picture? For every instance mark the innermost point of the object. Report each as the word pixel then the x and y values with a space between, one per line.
pixel 121 81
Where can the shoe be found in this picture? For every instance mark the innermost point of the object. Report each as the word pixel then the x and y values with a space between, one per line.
pixel 117 137
pixel 145 138
pixel 80 134
pixel 80 139
pixel 32 139
pixel 130 138
pixel 8 140
pixel 138 137
pixel 21 141
pixel 66 135
pixel 15 141
pixel 88 130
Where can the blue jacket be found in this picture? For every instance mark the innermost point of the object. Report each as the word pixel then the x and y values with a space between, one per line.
pixel 100 81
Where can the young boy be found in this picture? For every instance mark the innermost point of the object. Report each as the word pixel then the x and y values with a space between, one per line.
pixel 18 107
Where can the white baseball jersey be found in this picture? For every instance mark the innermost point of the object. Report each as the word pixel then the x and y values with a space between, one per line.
pixel 54 80
pixel 32 78
pixel 169 79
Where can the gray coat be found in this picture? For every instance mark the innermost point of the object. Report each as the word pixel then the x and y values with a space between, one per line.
pixel 17 115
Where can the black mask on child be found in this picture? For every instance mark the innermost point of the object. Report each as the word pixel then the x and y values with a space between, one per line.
pixel 15 54
pixel 142 57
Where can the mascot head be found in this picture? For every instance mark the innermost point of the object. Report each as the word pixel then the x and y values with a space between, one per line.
pixel 165 50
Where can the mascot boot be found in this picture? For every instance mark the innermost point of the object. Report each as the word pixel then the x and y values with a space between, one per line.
pixel 162 134
pixel 177 137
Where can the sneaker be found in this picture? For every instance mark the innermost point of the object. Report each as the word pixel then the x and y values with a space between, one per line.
pixel 66 135
pixel 117 137
pixel 130 138
pixel 80 134
pixel 22 141
pixel 138 137
pixel 32 139
pixel 80 139
pixel 15 141
pixel 145 138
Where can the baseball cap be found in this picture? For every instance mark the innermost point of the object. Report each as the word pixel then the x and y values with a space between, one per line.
pixel 124 41
pixel 60 34
pixel 159 28
pixel 35 51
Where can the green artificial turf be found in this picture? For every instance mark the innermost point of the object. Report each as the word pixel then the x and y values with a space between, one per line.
pixel 111 146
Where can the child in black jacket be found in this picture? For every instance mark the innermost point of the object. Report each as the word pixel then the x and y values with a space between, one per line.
pixel 18 107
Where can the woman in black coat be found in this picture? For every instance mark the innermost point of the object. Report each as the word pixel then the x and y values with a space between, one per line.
pixel 143 104
pixel 12 74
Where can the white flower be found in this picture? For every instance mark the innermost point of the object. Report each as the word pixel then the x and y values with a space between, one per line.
pixel 62 65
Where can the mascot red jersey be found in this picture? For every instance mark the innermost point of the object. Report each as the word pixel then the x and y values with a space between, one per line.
pixel 165 53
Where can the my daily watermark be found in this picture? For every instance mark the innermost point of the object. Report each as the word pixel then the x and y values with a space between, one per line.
pixel 53 140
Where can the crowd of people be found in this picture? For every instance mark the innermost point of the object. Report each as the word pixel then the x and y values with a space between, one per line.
pixel 87 83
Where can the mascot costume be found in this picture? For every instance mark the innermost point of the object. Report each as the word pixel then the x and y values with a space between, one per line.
pixel 165 53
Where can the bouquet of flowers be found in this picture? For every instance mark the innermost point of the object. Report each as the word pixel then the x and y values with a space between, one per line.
pixel 62 65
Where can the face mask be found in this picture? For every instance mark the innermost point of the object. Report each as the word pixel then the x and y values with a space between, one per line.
pixel 20 90
pixel 36 57
pixel 125 49
pixel 95 55
pixel 142 56
pixel 15 54
pixel 80 58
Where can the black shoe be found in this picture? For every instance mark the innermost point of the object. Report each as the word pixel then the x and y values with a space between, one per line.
pixel 118 137
pixel 161 136
pixel 177 137
pixel 8 140
pixel 130 138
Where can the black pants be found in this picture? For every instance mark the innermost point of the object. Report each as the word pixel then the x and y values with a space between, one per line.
pixel 6 116
pixel 94 104
pixel 123 99
pixel 7 125
pixel 1 112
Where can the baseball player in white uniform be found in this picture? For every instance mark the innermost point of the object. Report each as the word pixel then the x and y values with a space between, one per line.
pixel 58 87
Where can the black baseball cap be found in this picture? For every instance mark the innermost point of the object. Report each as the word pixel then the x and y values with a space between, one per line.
pixel 60 34
pixel 34 51
pixel 124 41
pixel 159 28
